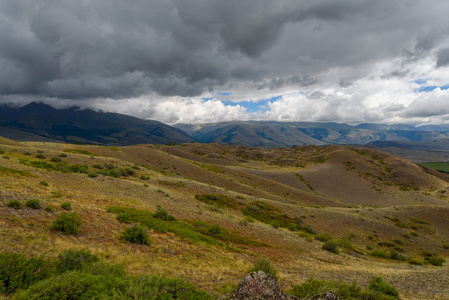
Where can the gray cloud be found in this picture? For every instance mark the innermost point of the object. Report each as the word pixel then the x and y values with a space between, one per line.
pixel 111 49
pixel 443 57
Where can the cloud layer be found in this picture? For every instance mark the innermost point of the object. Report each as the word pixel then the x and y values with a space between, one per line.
pixel 171 60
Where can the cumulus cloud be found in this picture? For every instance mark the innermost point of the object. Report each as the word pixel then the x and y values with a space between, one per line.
pixel 327 60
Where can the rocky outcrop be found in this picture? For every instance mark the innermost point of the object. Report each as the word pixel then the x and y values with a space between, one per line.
pixel 261 286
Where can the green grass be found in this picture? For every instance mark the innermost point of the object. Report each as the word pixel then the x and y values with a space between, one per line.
pixel 225 235
pixel 78 274
pixel 9 171
pixel 78 151
pixel 442 167
pixel 377 289
pixel 272 215
pixel 62 166
pixel 179 228
pixel 196 231
pixel 221 201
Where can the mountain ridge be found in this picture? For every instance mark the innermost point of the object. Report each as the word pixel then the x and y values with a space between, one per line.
pixel 41 122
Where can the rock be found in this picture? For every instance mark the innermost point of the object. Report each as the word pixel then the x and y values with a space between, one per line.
pixel 261 286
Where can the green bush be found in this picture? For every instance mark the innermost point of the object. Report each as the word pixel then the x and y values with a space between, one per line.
pixel 215 229
pixel 72 259
pixel 331 246
pixel 155 287
pixel 48 208
pixel 16 204
pixel 221 201
pixel 56 159
pixel 66 205
pixel 76 285
pixel 33 203
pixel 68 223
pixel 436 261
pixel 313 289
pixel 163 214
pixel 137 234
pixel 396 256
pixel 263 264
pixel 323 237
pixel 43 183
pixel 18 272
pixel 414 261
pixel 377 284
pixel 81 285
pixel 179 228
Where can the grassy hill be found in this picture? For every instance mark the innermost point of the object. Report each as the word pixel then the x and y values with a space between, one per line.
pixel 230 206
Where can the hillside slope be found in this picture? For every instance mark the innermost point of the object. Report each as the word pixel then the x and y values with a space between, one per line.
pixel 278 200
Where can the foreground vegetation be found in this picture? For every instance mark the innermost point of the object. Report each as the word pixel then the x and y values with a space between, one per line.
pixel 79 274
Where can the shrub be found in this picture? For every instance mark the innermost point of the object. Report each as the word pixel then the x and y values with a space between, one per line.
pixel 40 156
pixel 18 272
pixel 377 284
pixel 72 259
pixel 81 285
pixel 68 223
pixel 56 159
pixel 446 246
pixel 48 208
pixel 331 246
pixel 66 205
pixel 33 203
pixel 163 214
pixel 396 256
pixel 43 183
pixel 263 264
pixel 221 201
pixel 309 229
pixel 414 261
pixel 436 261
pixel 137 234
pixel 75 285
pixel 16 204
pixel 346 243
pixel 215 229
pixel 323 237
pixel 314 289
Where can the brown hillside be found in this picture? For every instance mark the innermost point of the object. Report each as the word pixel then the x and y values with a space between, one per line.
pixel 365 199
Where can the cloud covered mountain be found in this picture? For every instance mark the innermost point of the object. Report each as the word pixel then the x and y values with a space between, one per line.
pixel 40 122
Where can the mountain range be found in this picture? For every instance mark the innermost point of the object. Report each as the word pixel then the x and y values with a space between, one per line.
pixel 41 122
pixel 287 134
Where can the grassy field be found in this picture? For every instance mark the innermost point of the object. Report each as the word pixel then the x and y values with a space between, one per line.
pixel 442 166
pixel 387 216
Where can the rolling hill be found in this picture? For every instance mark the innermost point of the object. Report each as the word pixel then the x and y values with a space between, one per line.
pixel 231 205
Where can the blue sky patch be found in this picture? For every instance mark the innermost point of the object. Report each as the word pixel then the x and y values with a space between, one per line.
pixel 224 93
pixel 420 81
pixel 252 107
pixel 431 88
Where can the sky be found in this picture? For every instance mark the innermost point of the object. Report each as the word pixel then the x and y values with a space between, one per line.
pixel 199 61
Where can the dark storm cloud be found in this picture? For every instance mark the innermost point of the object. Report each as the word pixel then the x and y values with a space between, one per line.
pixel 443 57
pixel 119 49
